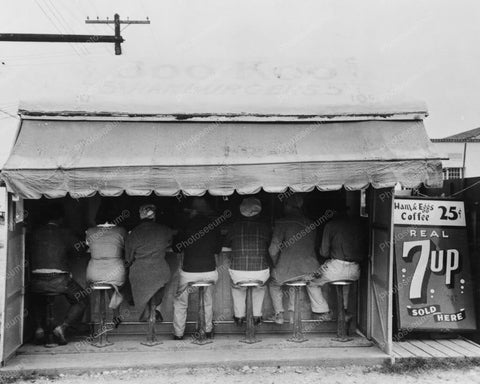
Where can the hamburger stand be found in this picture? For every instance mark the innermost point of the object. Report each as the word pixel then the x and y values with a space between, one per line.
pixel 363 151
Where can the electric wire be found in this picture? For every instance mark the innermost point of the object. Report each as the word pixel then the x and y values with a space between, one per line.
pixel 54 24
pixel 63 22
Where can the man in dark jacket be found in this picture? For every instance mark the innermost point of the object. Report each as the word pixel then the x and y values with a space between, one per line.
pixel 344 245
pixel 50 246
pixel 199 242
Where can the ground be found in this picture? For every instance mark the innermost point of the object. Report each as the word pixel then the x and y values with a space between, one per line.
pixel 407 373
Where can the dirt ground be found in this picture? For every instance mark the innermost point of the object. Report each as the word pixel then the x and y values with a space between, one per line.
pixel 265 375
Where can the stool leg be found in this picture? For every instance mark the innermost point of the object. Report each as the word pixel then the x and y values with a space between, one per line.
pixel 250 328
pixel 200 337
pixel 50 342
pixel 103 329
pixel 297 336
pixel 151 337
pixel 341 324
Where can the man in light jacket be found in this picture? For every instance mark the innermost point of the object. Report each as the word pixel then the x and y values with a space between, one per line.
pixel 293 254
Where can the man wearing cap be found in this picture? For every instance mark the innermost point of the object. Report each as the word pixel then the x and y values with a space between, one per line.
pixel 293 254
pixel 199 242
pixel 249 238
pixel 145 249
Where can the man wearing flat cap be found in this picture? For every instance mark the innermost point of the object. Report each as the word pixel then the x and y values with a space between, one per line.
pixel 145 249
pixel 249 238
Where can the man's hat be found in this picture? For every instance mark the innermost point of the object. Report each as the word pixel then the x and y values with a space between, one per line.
pixel 250 207
pixel 147 211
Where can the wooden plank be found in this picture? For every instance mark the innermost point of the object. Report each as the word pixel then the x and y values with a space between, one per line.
pixel 395 354
pixel 471 344
pixel 459 348
pixel 401 350
pixel 447 351
pixel 418 352
pixel 427 348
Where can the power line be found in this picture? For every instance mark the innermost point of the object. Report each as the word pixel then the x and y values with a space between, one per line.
pixel 54 24
pixel 63 21
pixel 8 113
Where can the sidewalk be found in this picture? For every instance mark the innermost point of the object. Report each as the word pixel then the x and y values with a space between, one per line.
pixel 225 351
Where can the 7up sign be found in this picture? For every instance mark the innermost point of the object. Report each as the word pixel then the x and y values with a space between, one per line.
pixel 433 285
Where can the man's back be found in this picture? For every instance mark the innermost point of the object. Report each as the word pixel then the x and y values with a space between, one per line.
pixel 199 243
pixel 147 240
pixel 249 239
pixel 345 239
pixel 50 246
pixel 297 235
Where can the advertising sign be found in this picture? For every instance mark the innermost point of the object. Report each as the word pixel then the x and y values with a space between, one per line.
pixel 433 283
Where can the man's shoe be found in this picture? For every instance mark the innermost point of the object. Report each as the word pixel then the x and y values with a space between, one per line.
pixel 277 318
pixel 175 337
pixel 39 336
pixel 322 317
pixel 209 335
pixel 158 316
pixel 238 321
pixel 59 334
pixel 257 320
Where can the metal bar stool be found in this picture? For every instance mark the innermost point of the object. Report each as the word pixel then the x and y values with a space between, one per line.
pixel 50 319
pixel 200 333
pixel 250 328
pixel 151 337
pixel 342 334
pixel 298 336
pixel 102 333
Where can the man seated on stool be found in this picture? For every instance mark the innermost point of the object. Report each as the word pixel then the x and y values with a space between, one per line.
pixel 344 245
pixel 248 238
pixel 50 246
pixel 149 273
pixel 199 243
pixel 294 258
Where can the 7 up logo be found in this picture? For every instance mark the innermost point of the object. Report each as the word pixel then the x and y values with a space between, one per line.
pixel 440 261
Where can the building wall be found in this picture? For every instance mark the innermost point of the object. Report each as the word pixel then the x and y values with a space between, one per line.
pixel 455 152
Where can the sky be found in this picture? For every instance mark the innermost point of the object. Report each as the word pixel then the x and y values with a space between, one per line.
pixel 254 53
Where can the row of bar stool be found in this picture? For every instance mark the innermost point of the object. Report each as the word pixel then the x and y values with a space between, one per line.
pixel 298 335
pixel 101 337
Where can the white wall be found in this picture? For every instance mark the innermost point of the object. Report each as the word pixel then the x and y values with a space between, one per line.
pixel 455 152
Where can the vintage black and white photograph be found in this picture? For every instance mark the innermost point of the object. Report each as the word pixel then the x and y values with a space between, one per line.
pixel 226 191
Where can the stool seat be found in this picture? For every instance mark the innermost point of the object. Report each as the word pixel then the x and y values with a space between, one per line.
pixel 100 286
pixel 250 283
pixel 203 283
pixel 298 283
pixel 341 282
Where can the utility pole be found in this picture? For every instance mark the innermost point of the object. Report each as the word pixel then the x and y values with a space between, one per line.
pixel 117 39
pixel 117 22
